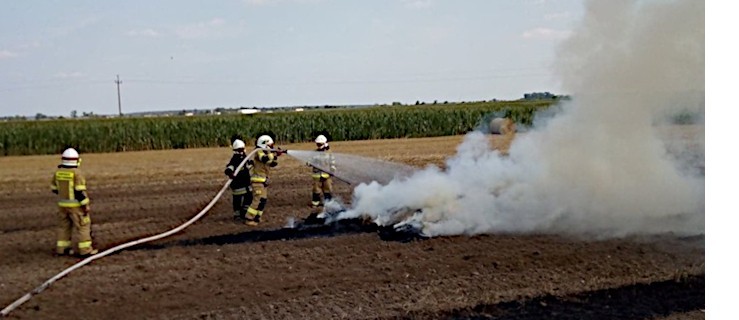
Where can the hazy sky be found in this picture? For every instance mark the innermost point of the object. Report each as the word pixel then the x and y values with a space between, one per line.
pixel 59 56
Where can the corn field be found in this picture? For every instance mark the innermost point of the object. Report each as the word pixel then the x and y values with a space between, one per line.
pixel 130 134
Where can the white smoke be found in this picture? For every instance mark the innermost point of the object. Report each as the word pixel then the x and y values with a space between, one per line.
pixel 597 166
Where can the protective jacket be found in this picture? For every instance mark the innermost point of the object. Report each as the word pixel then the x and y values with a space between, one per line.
pixel 69 184
pixel 324 160
pixel 240 182
pixel 263 161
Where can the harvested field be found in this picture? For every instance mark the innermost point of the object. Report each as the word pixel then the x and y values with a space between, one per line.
pixel 218 269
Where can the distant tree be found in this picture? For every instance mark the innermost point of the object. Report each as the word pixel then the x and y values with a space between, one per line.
pixel 435 102
pixel 73 114
pixel 40 116
pixel 539 96
pixel 396 103
pixel 15 118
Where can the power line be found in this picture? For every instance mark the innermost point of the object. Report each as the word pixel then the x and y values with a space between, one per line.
pixel 55 85
pixel 341 82
pixel 418 77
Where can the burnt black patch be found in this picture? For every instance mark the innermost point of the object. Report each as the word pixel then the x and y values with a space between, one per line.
pixel 311 227
pixel 637 301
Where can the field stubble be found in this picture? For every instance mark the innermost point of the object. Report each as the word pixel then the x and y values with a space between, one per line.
pixel 354 276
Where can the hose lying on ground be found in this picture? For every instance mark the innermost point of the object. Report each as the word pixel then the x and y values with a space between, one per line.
pixel 78 265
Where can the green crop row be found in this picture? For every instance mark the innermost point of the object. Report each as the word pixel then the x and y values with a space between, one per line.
pixel 129 134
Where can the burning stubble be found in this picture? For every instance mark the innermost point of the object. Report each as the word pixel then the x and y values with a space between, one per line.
pixel 597 166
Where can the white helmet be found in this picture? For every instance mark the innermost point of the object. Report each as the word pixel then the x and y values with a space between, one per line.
pixel 238 144
pixel 265 142
pixel 321 139
pixel 70 158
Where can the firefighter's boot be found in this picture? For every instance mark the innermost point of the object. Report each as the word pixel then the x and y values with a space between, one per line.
pixel 252 220
pixel 64 251
pixel 88 254
pixel 316 200
pixel 239 216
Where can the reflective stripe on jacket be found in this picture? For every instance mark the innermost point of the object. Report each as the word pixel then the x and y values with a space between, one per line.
pixel 70 185
pixel 324 160
pixel 242 179
pixel 263 161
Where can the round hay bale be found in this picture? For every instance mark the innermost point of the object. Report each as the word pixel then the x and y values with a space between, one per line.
pixel 502 126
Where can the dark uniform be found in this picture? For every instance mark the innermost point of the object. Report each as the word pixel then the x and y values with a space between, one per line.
pixel 240 188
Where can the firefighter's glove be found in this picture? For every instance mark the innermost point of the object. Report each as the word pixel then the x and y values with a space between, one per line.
pixel 273 164
pixel 86 209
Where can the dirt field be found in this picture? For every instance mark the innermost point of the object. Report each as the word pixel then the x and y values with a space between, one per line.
pixel 217 269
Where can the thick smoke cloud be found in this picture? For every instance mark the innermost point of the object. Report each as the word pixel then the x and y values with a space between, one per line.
pixel 598 165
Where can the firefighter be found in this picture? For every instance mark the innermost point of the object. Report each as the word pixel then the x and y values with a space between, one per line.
pixel 264 159
pixel 323 164
pixel 74 206
pixel 240 188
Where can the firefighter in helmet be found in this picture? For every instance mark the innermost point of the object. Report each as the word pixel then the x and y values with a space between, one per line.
pixel 324 165
pixel 240 188
pixel 264 159
pixel 74 206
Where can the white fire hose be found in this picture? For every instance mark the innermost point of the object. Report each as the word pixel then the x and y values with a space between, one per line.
pixel 78 265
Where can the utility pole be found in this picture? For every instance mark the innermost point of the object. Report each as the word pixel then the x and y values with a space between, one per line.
pixel 118 84
pixel 120 112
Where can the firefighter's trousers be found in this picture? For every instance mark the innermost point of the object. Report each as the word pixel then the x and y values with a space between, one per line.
pixel 73 222
pixel 259 200
pixel 321 185
pixel 242 198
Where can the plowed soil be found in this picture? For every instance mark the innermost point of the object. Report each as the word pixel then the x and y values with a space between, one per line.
pixel 219 269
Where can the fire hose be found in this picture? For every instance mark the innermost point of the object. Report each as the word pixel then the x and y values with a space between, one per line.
pixel 87 260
